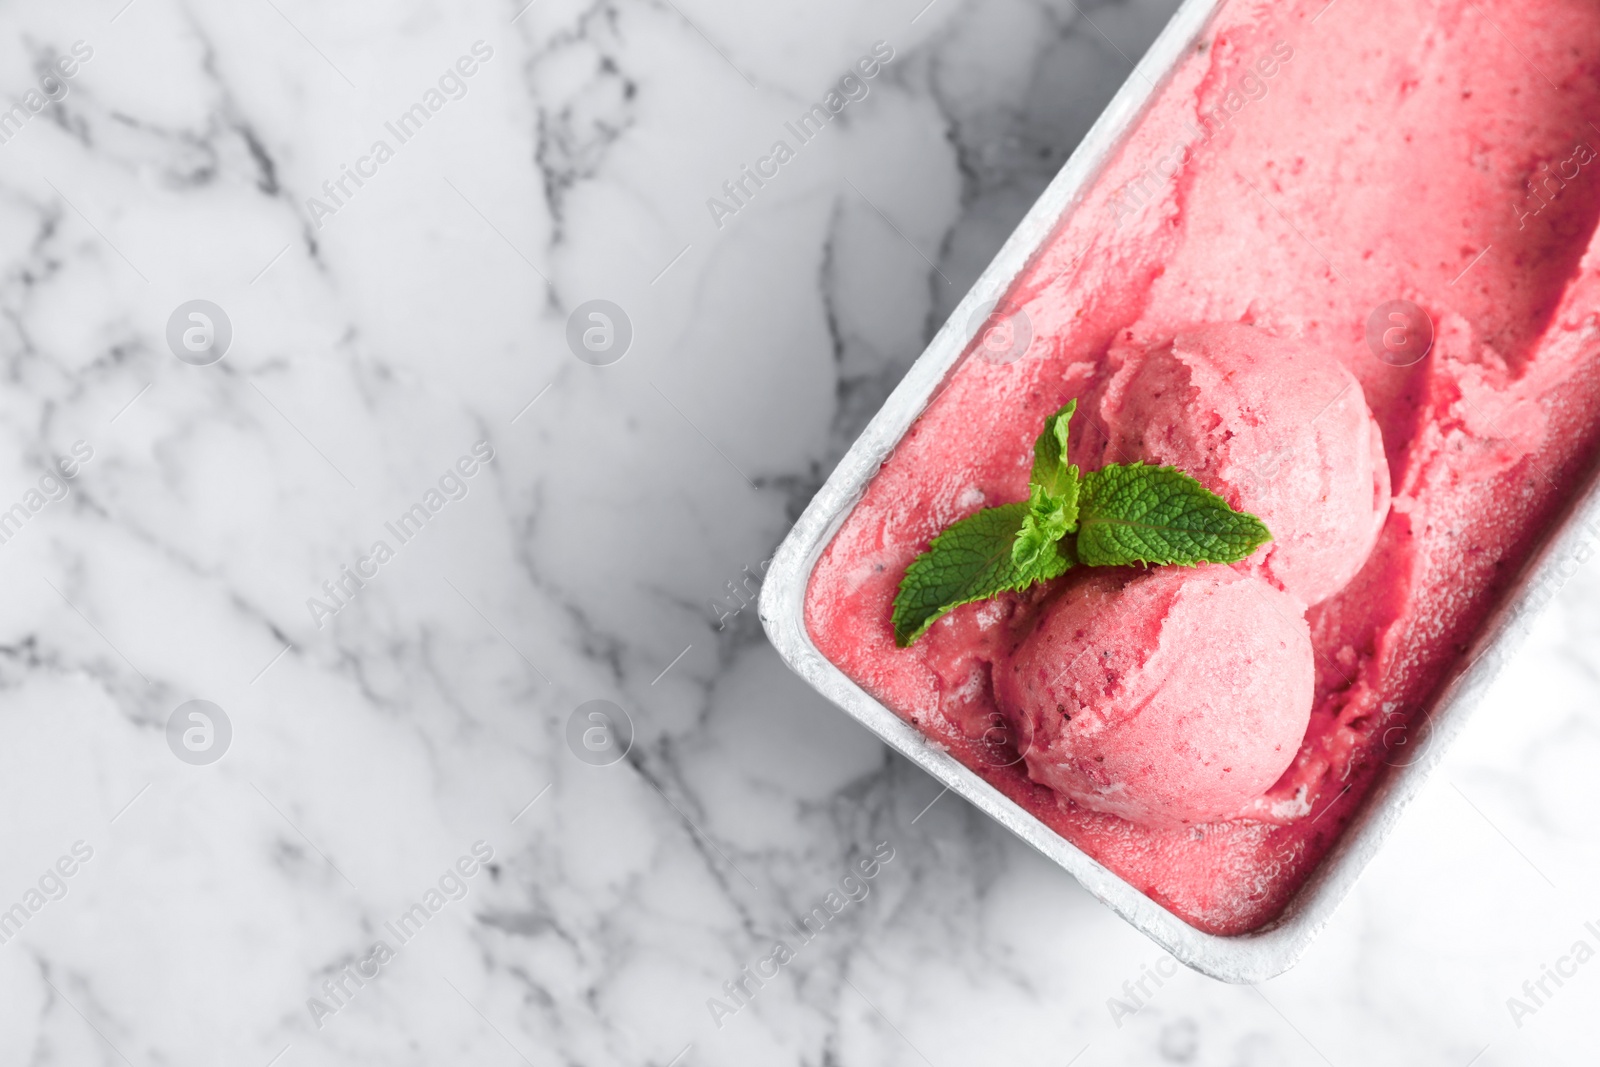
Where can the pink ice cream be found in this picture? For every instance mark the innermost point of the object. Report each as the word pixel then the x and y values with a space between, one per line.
pixel 1168 697
pixel 1306 165
pixel 1277 429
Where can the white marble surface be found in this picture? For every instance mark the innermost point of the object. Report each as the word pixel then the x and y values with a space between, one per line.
pixel 425 315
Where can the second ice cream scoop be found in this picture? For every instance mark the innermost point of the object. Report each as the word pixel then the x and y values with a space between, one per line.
pixel 1274 428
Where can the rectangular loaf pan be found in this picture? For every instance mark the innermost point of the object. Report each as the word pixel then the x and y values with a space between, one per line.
pixel 1274 948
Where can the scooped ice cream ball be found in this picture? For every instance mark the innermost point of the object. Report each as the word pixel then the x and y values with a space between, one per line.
pixel 1168 697
pixel 1273 427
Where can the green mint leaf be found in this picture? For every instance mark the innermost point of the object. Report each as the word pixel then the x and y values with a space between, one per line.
pixel 971 560
pixel 1139 514
pixel 1051 471
pixel 1052 493
pixel 1049 519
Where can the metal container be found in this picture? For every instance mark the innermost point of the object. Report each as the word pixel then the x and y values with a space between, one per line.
pixel 1274 948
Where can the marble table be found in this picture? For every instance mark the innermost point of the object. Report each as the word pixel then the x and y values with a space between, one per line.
pixel 285 282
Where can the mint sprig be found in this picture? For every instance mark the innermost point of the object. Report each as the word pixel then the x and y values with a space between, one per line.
pixel 1116 516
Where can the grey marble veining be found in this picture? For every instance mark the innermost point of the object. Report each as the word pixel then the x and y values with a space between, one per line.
pixel 599 554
